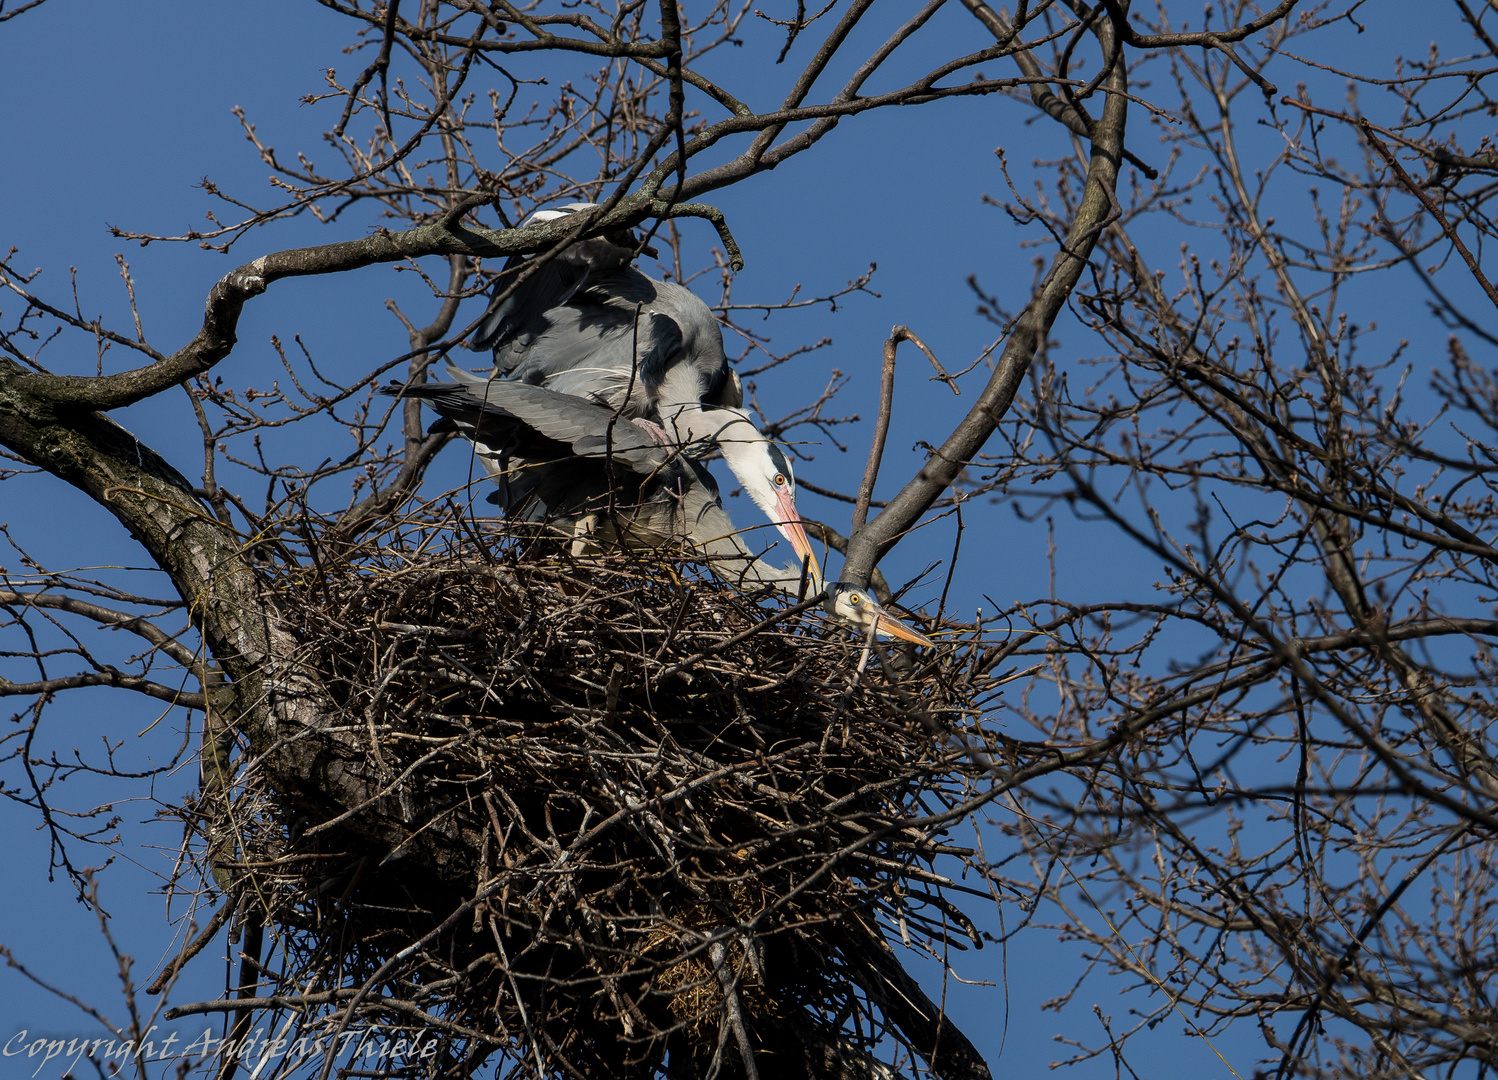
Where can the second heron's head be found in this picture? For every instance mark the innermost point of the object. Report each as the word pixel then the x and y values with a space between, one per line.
pixel 855 608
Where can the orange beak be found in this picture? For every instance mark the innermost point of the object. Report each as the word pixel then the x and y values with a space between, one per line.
pixel 790 526
pixel 885 623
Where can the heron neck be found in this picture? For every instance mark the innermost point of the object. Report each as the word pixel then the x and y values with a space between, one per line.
pixel 729 429
pixel 735 563
pixel 694 422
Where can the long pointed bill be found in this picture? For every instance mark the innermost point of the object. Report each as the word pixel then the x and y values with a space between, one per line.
pixel 885 623
pixel 791 528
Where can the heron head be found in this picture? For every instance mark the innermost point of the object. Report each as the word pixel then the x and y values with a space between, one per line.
pixel 856 608
pixel 765 471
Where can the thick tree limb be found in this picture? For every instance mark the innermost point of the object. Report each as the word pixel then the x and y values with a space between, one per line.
pixel 227 298
pixel 274 697
pixel 1097 207
pixel 947 1051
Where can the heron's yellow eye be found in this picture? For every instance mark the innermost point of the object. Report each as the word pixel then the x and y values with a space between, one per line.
pixel 855 599
pixel 780 479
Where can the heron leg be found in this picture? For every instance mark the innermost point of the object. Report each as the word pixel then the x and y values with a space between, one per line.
pixel 583 542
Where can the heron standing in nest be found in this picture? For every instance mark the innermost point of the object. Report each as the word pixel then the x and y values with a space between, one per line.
pixel 577 465
pixel 588 325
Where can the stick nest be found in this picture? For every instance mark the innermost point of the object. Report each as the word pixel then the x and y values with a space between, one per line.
pixel 580 812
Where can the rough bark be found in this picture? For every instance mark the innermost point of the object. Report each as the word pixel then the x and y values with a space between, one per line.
pixel 205 560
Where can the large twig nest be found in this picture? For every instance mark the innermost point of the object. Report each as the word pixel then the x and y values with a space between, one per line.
pixel 610 798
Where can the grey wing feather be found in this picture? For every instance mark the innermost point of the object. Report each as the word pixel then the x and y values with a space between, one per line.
pixel 702 337
pixel 518 315
pixel 583 337
pixel 606 304
pixel 467 378
pixel 588 428
pixel 600 353
pixel 491 412
pixel 517 318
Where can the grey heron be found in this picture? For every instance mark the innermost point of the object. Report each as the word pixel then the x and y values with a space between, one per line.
pixel 650 351
pixel 580 467
pixel 857 608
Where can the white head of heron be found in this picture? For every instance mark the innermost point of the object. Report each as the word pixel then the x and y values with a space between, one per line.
pixel 856 608
pixel 760 466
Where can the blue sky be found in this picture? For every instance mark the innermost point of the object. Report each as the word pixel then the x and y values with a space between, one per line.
pixel 113 114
